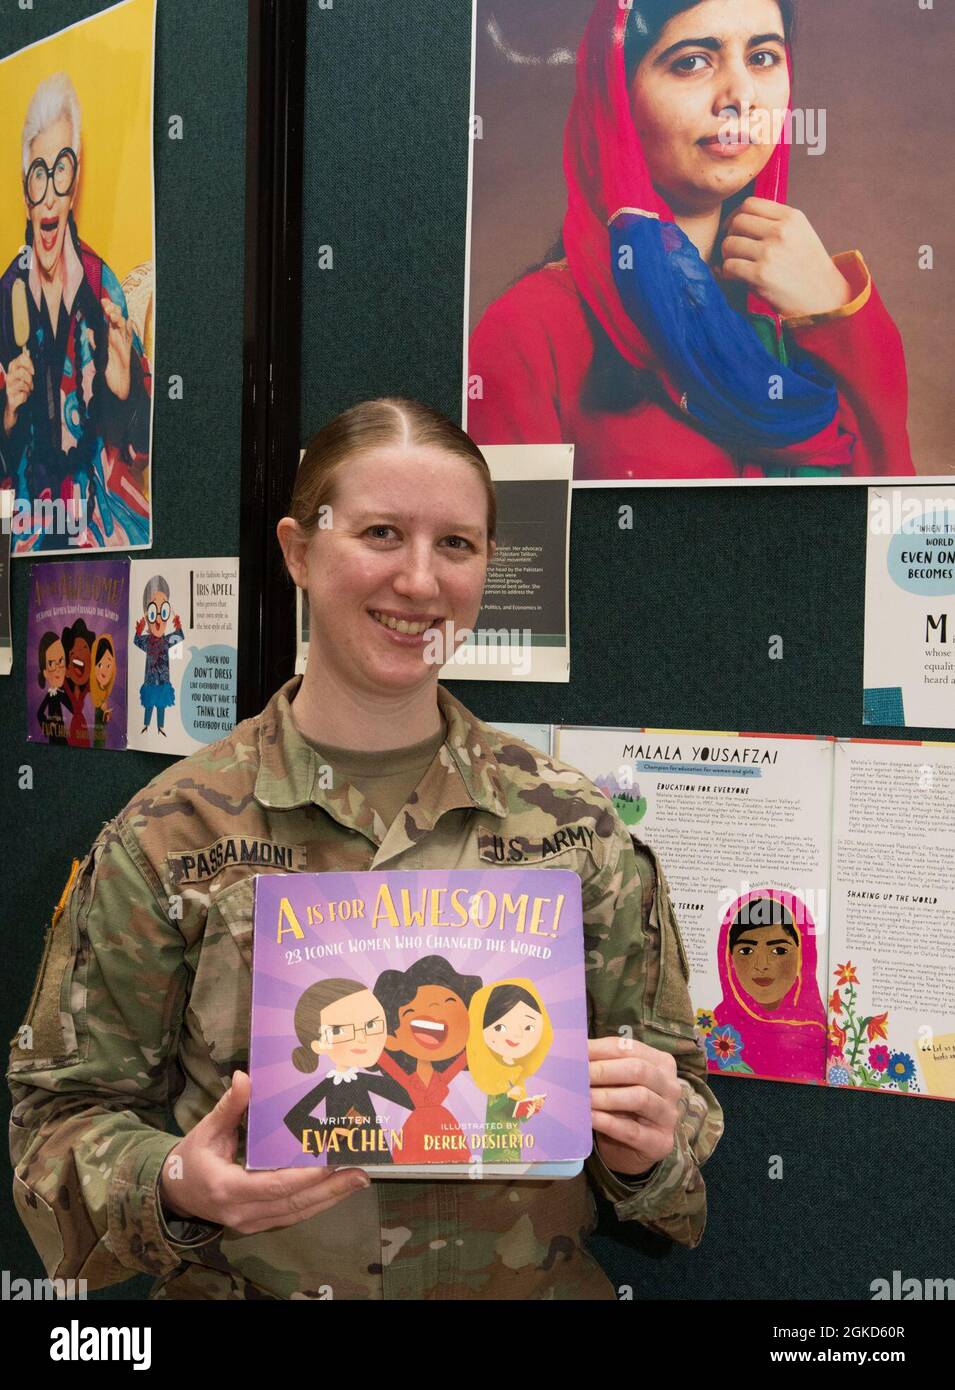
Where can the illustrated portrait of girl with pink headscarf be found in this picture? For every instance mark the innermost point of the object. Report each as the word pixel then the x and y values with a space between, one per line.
pixel 771 1021
pixel 688 322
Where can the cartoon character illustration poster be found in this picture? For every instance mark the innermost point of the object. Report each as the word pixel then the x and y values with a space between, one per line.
pixel 77 293
pixel 771 1020
pixel 909 663
pixel 183 634
pixel 76 653
pixel 436 1056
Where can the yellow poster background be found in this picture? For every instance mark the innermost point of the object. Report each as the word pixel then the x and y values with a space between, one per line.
pixel 109 59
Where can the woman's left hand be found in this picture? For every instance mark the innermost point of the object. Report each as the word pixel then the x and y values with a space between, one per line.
pixel 634 1103
pixel 775 250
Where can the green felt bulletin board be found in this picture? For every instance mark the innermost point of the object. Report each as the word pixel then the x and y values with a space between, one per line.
pixel 671 621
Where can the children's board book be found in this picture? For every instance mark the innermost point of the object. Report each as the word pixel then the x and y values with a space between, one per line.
pixel 420 1024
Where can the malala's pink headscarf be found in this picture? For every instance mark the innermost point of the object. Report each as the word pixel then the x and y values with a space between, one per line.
pixel 606 171
pixel 675 321
pixel 790 1040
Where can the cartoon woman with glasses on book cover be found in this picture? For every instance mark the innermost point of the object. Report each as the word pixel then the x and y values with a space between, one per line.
pixel 52 679
pixel 342 1020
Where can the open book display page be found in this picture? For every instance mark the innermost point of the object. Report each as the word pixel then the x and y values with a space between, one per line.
pixel 428 1023
pixel 892 1000
pixel 768 843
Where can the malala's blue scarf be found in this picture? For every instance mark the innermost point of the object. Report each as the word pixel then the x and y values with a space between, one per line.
pixel 737 392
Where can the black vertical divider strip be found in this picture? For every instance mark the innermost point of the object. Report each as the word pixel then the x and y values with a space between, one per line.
pixel 275 139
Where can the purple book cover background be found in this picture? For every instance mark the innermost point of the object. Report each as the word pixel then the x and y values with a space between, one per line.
pixel 562 1130
pixel 96 591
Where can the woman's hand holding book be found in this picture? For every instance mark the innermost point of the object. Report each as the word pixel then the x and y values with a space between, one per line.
pixel 635 1096
pixel 200 1177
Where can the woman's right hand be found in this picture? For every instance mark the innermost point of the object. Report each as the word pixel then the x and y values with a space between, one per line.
pixel 200 1177
pixel 775 250
pixel 19 384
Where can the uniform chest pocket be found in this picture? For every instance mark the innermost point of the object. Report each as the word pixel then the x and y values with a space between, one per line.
pixel 220 1001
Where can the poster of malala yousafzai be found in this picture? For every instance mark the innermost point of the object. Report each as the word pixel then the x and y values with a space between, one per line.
pixel 699 245
pixel 77 291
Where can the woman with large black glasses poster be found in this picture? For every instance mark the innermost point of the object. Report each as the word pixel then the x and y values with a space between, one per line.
pixel 75 383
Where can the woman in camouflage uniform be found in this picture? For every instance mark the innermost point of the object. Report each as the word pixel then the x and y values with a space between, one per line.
pixel 142 1003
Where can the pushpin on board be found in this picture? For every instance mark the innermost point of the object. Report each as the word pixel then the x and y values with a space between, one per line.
pixel 21 316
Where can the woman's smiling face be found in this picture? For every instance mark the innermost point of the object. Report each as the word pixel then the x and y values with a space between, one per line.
pixel 104 669
pixel 719 66
pixel 49 217
pixel 433 1026
pixel 78 664
pixel 407 545
pixel 515 1034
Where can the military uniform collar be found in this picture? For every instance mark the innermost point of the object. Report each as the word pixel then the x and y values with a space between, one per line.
pixel 464 774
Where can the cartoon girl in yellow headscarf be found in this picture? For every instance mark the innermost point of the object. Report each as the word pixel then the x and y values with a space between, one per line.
pixel 510 1036
pixel 102 679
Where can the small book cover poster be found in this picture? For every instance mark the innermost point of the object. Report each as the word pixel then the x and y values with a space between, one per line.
pixel 76 653
pixel 415 1023
pixel 183 640
pixel 909 663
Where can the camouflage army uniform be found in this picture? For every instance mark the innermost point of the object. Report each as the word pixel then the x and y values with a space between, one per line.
pixel 142 1003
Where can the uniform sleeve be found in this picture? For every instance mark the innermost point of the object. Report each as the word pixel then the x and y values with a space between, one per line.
pixel 90 1071
pixel 637 976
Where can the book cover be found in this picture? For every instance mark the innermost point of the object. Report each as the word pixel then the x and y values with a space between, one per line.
pixel 183 643
pixel 76 658
pixel 420 1023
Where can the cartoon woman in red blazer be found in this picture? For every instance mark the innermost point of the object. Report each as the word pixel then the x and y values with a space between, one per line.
pixel 426 1008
